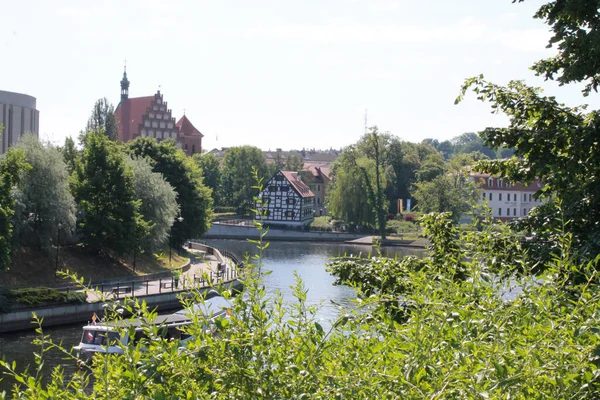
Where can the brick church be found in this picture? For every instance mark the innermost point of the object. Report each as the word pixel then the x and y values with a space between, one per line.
pixel 150 116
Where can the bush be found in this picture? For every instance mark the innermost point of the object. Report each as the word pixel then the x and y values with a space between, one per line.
pixel 411 217
pixel 38 296
pixel 396 226
pixel 223 209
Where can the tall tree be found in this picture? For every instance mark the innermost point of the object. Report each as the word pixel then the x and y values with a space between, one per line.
pixel 70 154
pixel 12 164
pixel 103 119
pixel 237 178
pixel 44 201
pixel 211 172
pixel 184 175
pixel 294 163
pixel 103 188
pixel 158 203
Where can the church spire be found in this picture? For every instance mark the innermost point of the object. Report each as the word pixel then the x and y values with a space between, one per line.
pixel 124 85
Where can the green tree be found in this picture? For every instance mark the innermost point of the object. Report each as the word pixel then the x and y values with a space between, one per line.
pixel 237 179
pixel 103 119
pixel 576 28
pixel 184 175
pixel 71 155
pixel 446 193
pixel 44 201
pixel 104 190
pixel 432 167
pixel 211 172
pixel 12 164
pixel 294 163
pixel 158 203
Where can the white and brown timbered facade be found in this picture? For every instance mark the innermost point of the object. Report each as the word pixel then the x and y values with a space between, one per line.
pixel 286 200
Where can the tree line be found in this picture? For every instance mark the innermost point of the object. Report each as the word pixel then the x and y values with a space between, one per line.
pixel 111 198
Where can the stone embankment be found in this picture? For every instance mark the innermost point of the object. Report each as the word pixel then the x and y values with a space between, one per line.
pixel 209 267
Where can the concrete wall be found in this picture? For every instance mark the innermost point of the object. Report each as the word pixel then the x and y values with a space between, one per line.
pixel 18 116
pixel 218 231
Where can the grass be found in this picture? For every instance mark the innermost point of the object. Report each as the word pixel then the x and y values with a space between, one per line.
pixel 35 267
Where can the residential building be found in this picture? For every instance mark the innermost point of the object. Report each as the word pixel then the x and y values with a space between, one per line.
pixel 18 115
pixel 150 116
pixel 506 200
pixel 287 200
pixel 317 179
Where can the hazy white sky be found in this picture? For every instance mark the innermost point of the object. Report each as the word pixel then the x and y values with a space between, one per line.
pixel 275 73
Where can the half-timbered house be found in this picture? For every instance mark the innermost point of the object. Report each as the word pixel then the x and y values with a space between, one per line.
pixel 286 200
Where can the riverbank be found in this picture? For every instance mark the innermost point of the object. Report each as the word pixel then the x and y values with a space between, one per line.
pixel 209 268
pixel 242 232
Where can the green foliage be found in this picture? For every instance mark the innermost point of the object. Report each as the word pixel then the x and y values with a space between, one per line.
pixel 43 296
pixel 447 193
pixel 103 119
pixel 431 168
pixel 575 24
pixel 435 327
pixel 294 163
pixel 211 172
pixel 158 203
pixel 71 155
pixel 184 175
pixel 555 143
pixel 11 165
pixel 43 199
pixel 237 179
pixel 104 189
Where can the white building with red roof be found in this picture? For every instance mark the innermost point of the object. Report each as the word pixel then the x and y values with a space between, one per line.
pixel 150 116
pixel 286 200
pixel 506 200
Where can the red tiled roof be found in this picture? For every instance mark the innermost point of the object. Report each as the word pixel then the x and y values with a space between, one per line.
pixel 301 188
pixel 186 128
pixel 129 115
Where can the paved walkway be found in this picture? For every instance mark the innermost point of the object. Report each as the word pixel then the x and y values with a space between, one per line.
pixel 200 264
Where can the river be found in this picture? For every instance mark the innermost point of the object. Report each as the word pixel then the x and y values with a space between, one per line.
pixel 282 258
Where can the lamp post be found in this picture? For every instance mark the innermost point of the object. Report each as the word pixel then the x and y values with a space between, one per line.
pixel 59 225
pixel 178 219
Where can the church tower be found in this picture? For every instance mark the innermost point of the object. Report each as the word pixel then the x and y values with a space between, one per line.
pixel 124 86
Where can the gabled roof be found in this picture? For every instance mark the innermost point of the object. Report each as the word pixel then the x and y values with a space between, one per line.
pixel 186 128
pixel 300 187
pixel 129 115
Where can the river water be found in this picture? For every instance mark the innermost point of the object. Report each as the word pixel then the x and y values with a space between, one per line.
pixel 282 258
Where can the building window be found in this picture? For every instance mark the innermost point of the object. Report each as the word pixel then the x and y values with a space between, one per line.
pixel 278 178
pixel 291 201
pixel 289 214
pixel 490 182
pixel 490 197
pixel 515 212
pixel 272 188
pixel 499 212
pixel 499 183
pixel 524 196
pixel 499 196
pixel 483 195
pixel 285 188
pixel 530 197
pixel 318 188
pixel 524 211
pixel 318 200
pixel 508 212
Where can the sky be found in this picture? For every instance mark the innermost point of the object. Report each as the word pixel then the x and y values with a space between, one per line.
pixel 276 74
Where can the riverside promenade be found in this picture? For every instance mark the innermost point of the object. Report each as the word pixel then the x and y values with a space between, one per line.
pixel 207 268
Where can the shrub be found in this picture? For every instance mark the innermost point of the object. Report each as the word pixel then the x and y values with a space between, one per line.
pixel 41 295
pixel 223 209
pixel 410 217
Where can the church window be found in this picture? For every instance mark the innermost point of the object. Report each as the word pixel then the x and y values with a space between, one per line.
pixel 151 115
pixel 193 149
pixel 170 125
pixel 158 101
pixel 147 123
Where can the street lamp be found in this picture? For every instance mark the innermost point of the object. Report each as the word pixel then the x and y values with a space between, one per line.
pixel 57 247
pixel 178 219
